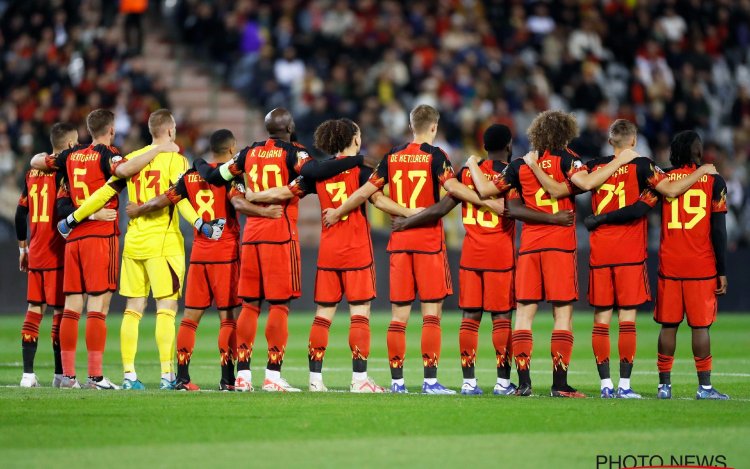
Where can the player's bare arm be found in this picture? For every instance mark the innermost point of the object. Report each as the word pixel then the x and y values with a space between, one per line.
pixel 485 187
pixel 241 205
pixel 554 188
pixel 588 181
pixel 427 216
pixel 331 216
pixel 157 203
pixel 669 188
pixel 387 205
pixel 274 195
pixel 519 211
pixel 134 165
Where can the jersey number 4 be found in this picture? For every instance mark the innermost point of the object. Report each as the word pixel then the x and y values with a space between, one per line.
pixel 698 211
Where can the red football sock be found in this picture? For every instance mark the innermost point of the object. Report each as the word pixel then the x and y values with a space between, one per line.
pixel 277 334
pixel 96 339
pixel 318 343
pixel 185 341
pixel 431 336
pixel 627 341
pixel 600 342
pixel 468 340
pixel 225 336
pixel 523 344
pixel 561 348
pixel 233 339
pixel 30 328
pixel 502 339
pixel 359 341
pixel 703 364
pixel 55 332
pixel 69 341
pixel 396 339
pixel 664 363
pixel 247 326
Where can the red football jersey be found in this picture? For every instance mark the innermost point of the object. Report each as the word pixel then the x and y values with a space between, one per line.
pixel 87 168
pixel 415 172
pixel 686 251
pixel 489 243
pixel 47 247
pixel 560 165
pixel 272 163
pixel 347 244
pixel 621 244
pixel 211 202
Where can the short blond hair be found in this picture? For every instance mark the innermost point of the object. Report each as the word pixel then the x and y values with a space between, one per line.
pixel 159 122
pixel 621 132
pixel 423 116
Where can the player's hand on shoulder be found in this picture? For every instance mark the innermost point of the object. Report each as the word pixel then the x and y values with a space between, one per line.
pixel 274 211
pixel 473 159
pixel 106 214
pixel 331 216
pixel 626 156
pixel 721 285
pixel 708 169
pixel 531 158
pixel 212 229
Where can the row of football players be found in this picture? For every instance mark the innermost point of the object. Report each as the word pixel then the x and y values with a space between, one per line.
pixel 270 267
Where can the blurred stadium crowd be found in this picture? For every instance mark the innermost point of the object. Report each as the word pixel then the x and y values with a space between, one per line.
pixel 667 65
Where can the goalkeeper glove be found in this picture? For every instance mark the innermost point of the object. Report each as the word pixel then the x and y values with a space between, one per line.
pixel 66 225
pixel 212 229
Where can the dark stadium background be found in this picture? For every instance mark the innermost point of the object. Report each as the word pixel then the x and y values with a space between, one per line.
pixel 667 65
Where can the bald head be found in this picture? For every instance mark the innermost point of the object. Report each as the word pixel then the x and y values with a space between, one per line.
pixel 279 123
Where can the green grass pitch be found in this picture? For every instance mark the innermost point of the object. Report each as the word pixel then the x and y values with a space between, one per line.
pixel 166 429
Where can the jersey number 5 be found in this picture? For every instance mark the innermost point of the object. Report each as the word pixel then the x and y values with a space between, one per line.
pixel 697 211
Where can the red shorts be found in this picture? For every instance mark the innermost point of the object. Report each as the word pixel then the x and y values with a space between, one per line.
pixel 623 286
pixel 207 283
pixel 359 285
pixel 427 274
pixel 692 298
pixel 91 265
pixel 547 275
pixel 270 272
pixel 46 287
pixel 486 290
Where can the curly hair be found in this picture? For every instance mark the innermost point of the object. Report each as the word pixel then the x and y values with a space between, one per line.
pixel 680 150
pixel 552 130
pixel 334 135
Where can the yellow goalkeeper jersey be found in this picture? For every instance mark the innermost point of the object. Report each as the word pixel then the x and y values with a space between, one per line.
pixel 157 233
